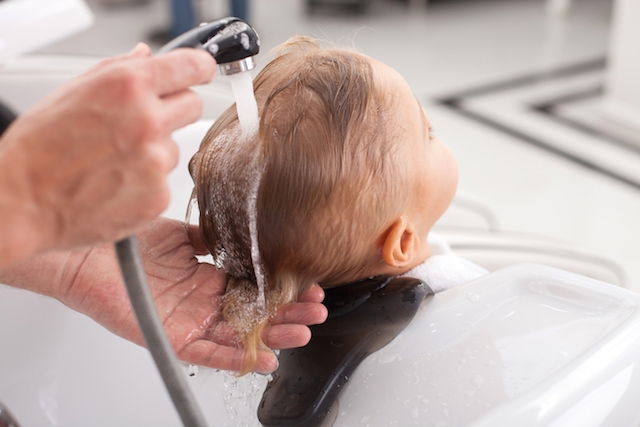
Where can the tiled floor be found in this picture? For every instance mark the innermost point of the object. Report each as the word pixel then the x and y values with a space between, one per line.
pixel 449 47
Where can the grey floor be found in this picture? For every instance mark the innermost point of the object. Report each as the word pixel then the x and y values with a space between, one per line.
pixel 536 173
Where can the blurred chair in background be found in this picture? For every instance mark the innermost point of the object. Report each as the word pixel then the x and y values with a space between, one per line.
pixel 183 17
pixel 240 9
pixel 558 8
pixel 344 6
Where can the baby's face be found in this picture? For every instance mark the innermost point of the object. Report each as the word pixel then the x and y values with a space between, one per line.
pixel 432 169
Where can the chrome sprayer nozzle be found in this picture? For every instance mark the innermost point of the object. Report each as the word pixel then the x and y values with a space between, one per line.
pixel 236 67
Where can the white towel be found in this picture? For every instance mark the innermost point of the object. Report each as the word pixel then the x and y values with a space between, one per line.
pixel 444 269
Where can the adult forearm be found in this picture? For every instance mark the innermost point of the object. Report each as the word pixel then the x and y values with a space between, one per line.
pixel 46 274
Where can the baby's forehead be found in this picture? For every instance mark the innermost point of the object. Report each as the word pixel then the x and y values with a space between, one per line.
pixel 387 76
pixel 396 90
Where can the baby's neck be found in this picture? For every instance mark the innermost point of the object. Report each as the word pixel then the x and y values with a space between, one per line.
pixel 380 268
pixel 384 269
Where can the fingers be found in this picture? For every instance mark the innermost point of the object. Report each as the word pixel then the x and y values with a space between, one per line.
pixel 308 313
pixel 286 336
pixel 274 336
pixel 266 362
pixel 179 69
pixel 172 153
pixel 141 50
pixel 314 294
pixel 220 355
pixel 212 355
pixel 181 109
pixel 219 348
pixel 163 155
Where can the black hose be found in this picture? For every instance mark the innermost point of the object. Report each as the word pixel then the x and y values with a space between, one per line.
pixel 153 331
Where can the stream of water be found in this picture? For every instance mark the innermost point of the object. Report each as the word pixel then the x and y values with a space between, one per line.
pixel 242 87
pixel 247 108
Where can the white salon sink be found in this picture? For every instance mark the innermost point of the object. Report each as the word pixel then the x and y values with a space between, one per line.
pixel 527 346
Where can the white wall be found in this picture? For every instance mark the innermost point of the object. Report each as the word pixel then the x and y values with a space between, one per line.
pixel 622 99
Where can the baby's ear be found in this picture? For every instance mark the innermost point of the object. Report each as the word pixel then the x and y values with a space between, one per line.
pixel 400 245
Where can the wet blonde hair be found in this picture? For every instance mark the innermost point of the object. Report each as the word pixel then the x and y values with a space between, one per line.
pixel 331 182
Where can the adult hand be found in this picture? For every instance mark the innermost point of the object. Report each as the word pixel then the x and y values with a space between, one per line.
pixel 88 163
pixel 187 295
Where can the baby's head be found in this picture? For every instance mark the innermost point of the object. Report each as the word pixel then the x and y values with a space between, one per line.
pixel 352 179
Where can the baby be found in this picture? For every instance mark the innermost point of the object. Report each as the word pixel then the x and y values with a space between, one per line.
pixel 352 180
